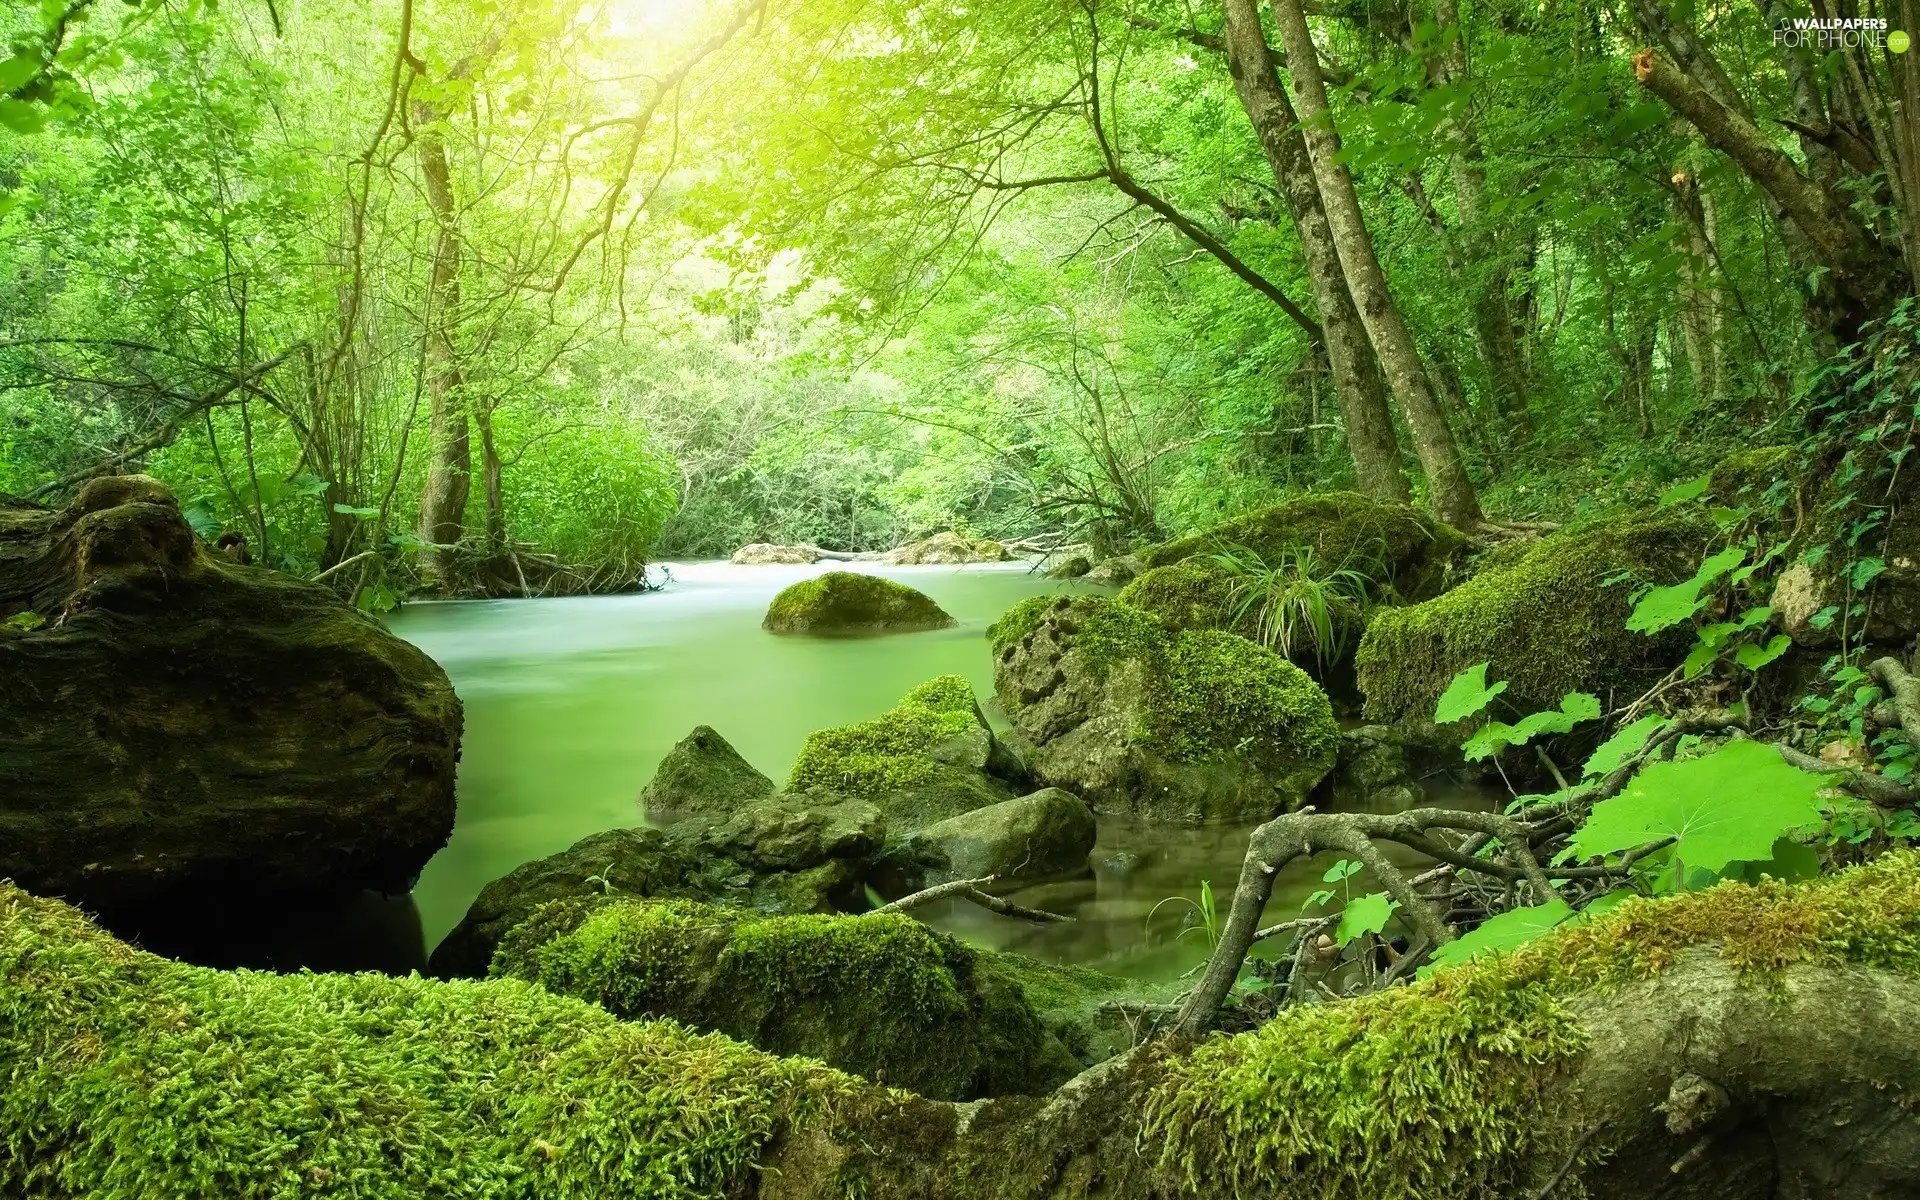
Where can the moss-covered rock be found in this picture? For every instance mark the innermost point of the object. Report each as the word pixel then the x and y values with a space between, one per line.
pixel 924 760
pixel 182 731
pixel 880 995
pixel 764 554
pixel 844 602
pixel 1134 717
pixel 1073 566
pixel 1397 544
pixel 1549 618
pixel 947 548
pixel 702 777
pixel 124 1076
pixel 1747 477
pixel 786 855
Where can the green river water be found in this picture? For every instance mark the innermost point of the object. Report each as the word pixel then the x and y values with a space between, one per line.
pixel 570 704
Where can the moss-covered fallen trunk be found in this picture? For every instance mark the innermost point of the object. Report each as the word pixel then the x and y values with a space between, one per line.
pixel 1747 1041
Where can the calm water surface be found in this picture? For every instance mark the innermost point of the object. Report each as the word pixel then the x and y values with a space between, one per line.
pixel 571 703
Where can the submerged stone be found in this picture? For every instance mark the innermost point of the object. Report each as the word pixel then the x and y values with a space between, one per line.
pixel 182 730
pixel 844 602
pixel 1191 725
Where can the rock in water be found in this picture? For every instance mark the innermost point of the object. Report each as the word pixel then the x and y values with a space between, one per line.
pixel 1193 725
pixel 792 854
pixel 763 554
pixel 1117 571
pixel 182 729
pixel 702 776
pixel 1045 834
pixel 841 602
pixel 929 757
pixel 947 548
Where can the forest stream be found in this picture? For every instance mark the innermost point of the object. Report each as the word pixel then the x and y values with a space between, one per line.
pixel 570 703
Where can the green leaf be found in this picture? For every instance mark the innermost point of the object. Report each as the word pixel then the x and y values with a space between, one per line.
pixel 1664 607
pixel 1346 868
pixel 1607 903
pixel 1364 914
pixel 1865 572
pixel 1317 899
pixel 1728 806
pixel 1699 659
pixel 1612 752
pixel 1754 657
pixel 351 511
pixel 1495 736
pixel 1508 931
pixel 1680 493
pixel 1824 617
pixel 1466 695
pixel 25 622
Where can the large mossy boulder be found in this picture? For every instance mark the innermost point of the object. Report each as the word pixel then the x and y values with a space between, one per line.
pixel 929 757
pixel 846 602
pixel 1132 716
pixel 1397 546
pixel 702 777
pixel 787 855
pixel 177 729
pixel 879 995
pixel 1548 617
pixel 767 554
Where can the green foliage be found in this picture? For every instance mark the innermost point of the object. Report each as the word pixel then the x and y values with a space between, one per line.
pixel 1295 603
pixel 1467 693
pixel 1496 736
pixel 124 1075
pixel 1724 807
pixel 888 753
pixel 1363 915
pixel 1501 933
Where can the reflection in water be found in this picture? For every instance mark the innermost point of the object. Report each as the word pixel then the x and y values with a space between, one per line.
pixel 1137 913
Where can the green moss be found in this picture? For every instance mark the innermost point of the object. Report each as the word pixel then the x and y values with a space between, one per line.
pixel 848 602
pixel 1396 543
pixel 888 753
pixel 1743 478
pixel 880 995
pixel 1213 692
pixel 1017 622
pixel 124 1076
pixel 1550 619
pixel 1442 1088
pixel 1191 594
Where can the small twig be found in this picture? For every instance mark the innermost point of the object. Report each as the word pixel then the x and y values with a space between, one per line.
pixel 970 890
pixel 344 563
pixel 1865 784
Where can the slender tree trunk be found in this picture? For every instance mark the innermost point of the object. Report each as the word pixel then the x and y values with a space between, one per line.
pixel 1493 321
pixel 1358 387
pixel 443 502
pixel 1699 298
pixel 490 468
pixel 1450 490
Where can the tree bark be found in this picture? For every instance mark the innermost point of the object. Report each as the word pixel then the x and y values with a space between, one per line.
pixel 1357 385
pixel 1493 323
pixel 443 501
pixel 1450 491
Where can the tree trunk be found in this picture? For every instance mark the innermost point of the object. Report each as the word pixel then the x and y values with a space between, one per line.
pixel 1357 385
pixel 490 468
pixel 1699 298
pixel 1450 491
pixel 443 502
pixel 1493 323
